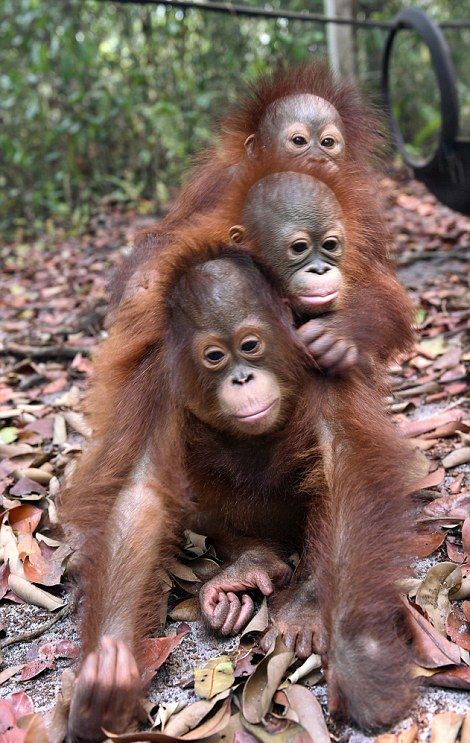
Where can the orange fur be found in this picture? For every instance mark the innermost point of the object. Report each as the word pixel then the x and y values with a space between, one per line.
pixel 217 166
pixel 272 489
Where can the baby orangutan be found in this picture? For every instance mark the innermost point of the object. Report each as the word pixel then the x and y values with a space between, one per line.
pixel 302 114
pixel 327 244
pixel 202 388
pixel 325 264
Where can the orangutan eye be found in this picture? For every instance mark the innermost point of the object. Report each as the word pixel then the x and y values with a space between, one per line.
pixel 251 345
pixel 299 140
pixel 328 142
pixel 330 244
pixel 213 356
pixel 299 247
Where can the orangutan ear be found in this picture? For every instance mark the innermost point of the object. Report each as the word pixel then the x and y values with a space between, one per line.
pixel 249 145
pixel 237 234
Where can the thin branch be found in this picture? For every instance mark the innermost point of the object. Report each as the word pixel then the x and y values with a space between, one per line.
pixel 34 633
pixel 44 352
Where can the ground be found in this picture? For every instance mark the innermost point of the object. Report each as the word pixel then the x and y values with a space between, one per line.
pixel 52 316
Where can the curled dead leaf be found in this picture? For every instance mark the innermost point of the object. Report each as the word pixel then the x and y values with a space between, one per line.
pixel 260 621
pixel 32 594
pixel 186 611
pixel 305 709
pixel 190 717
pixel 433 593
pixel 430 648
pixel 261 686
pixel 457 457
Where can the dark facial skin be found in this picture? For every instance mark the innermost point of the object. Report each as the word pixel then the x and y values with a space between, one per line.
pixel 231 350
pixel 297 223
pixel 304 127
pixel 297 226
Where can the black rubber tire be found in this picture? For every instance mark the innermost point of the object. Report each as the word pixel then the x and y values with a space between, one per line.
pixel 417 20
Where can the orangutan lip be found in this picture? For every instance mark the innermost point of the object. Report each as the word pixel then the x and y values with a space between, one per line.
pixel 318 299
pixel 256 416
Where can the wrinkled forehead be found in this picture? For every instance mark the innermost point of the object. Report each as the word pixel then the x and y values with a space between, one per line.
pixel 305 108
pixel 218 296
pixel 291 198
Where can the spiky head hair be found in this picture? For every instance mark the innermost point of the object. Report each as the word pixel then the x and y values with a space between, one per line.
pixel 363 129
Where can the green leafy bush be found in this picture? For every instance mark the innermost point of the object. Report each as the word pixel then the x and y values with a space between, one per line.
pixel 106 101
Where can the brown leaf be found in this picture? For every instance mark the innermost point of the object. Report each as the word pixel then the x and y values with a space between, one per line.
pixel 433 593
pixel 25 518
pixel 157 650
pixel 466 537
pixel 43 656
pixel 213 725
pixel 429 648
pixel 308 712
pixel 404 736
pixel 456 677
pixel 260 621
pixel 21 704
pixel 425 544
pixel 7 674
pixel 25 486
pixel 453 552
pixel 458 628
pixel 32 594
pixel 186 611
pixel 261 686
pixel 424 425
pixel 432 480
pixel 191 716
pixel 450 507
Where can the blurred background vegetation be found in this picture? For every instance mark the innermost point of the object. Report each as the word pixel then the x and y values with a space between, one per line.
pixel 108 102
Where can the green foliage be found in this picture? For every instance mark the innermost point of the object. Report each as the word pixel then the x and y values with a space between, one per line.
pixel 101 101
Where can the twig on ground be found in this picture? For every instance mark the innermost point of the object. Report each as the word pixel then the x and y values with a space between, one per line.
pixel 440 256
pixel 44 352
pixel 34 633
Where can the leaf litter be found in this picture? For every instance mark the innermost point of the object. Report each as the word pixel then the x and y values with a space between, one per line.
pixel 209 687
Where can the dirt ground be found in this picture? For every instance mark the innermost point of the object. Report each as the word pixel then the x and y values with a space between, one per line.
pixel 432 250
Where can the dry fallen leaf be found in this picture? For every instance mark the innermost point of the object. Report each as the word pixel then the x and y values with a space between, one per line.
pixel 186 611
pixel 425 544
pixel 32 594
pixel 449 507
pixel 433 593
pixel 261 686
pixel 458 628
pixel 455 677
pixel 157 650
pixel 191 716
pixel 25 518
pixel 260 621
pixel 429 648
pixel 305 709
pixel 457 457
pixel 445 727
pixel 216 676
